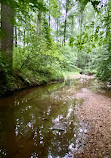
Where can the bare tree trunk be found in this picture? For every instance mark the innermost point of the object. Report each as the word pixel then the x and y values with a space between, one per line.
pixel 38 22
pixel 57 30
pixel 65 31
pixel 7 19
pixel 15 36
pixel 48 1
pixel 49 13
pixel 80 26
pixel 24 36
pixel 81 21
pixel 80 38
pixel 49 19
pixel 72 27
pixel 65 23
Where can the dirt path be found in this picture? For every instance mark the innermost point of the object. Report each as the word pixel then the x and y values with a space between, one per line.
pixel 94 139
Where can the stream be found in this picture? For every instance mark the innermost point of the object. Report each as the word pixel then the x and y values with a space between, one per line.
pixel 41 122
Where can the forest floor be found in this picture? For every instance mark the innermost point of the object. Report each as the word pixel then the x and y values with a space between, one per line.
pixel 94 140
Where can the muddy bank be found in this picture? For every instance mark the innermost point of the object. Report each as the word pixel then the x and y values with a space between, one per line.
pixel 94 139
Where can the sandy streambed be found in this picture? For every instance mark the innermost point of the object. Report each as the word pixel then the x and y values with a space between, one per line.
pixel 95 117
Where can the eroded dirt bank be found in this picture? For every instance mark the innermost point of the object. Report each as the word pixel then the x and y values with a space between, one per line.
pixel 94 140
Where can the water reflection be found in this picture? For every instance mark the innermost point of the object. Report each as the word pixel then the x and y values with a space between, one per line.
pixel 39 122
pixel 8 142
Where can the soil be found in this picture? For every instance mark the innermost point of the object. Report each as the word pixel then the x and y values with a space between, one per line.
pixel 94 138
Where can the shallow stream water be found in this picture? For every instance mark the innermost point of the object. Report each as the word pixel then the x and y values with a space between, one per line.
pixel 41 122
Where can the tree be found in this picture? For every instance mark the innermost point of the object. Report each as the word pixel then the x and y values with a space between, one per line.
pixel 104 55
pixel 68 5
pixel 7 21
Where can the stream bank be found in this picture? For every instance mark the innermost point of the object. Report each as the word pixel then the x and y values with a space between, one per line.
pixel 18 82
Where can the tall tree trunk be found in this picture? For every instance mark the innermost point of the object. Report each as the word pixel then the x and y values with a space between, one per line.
pixel 15 36
pixel 24 36
pixel 49 13
pixel 49 19
pixel 7 19
pixel 81 21
pixel 72 27
pixel 80 38
pixel 49 7
pixel 65 22
pixel 38 22
pixel 39 15
pixel 80 27
pixel 57 30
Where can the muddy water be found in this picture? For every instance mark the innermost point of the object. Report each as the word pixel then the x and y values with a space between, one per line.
pixel 41 122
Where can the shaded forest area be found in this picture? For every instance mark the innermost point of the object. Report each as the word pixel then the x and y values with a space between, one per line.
pixel 45 40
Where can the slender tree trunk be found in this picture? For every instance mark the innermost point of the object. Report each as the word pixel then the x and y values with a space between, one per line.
pixel 39 15
pixel 7 19
pixel 15 36
pixel 80 26
pixel 81 21
pixel 24 36
pixel 65 31
pixel 80 39
pixel 49 19
pixel 57 30
pixel 72 27
pixel 38 22
pixel 48 1
pixel 65 23
pixel 49 13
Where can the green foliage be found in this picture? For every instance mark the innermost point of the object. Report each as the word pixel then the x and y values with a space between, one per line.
pixel 94 3
pixel 104 64
pixel 6 77
pixel 43 27
pixel 71 40
pixel 47 35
